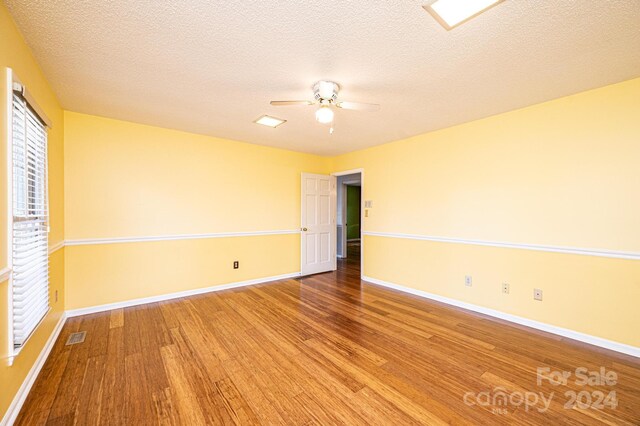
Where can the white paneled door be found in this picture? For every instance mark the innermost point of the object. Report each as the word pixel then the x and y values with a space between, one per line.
pixel 318 224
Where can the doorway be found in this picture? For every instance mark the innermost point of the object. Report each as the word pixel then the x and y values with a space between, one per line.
pixel 349 215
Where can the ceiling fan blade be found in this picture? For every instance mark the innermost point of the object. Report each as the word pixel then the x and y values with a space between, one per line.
pixel 287 103
pixel 358 106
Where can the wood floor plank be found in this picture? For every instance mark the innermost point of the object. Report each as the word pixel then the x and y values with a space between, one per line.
pixel 320 350
pixel 139 400
pixel 116 318
pixel 183 393
pixel 113 394
pixel 90 398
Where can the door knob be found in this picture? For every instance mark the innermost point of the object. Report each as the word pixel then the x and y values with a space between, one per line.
pixel 304 229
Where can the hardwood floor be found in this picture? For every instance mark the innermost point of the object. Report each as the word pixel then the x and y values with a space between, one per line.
pixel 326 349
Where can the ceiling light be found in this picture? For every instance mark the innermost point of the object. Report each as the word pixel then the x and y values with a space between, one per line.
pixel 267 120
pixel 324 115
pixel 451 13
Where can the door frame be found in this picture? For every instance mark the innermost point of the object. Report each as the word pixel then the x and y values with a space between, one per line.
pixel 362 223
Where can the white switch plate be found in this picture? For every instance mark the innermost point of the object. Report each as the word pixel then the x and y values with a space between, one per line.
pixel 368 204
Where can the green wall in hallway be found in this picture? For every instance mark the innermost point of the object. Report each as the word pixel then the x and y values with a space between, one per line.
pixel 353 212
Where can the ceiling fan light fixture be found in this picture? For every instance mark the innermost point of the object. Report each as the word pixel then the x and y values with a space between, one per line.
pixel 325 94
pixel 324 114
pixel 326 90
pixel 451 13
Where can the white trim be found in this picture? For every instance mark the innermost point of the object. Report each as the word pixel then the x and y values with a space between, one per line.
pixel 169 296
pixel 54 248
pixel 5 274
pixel 83 242
pixel 176 237
pixel 9 208
pixel 348 172
pixel 564 332
pixel 536 247
pixel 14 409
pixel 343 214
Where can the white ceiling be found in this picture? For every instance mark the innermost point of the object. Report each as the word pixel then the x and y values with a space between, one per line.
pixel 212 67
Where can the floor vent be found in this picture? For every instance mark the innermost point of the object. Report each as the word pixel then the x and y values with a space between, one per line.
pixel 76 338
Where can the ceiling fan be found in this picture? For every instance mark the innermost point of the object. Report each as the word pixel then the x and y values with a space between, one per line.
pixel 325 95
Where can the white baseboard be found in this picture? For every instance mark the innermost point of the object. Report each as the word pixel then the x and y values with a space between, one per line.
pixel 169 296
pixel 575 335
pixel 14 409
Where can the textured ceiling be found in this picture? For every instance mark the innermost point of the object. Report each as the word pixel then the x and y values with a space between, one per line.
pixel 212 67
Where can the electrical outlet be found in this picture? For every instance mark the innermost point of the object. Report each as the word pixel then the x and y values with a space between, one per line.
pixel 468 280
pixel 505 288
pixel 537 294
pixel 236 264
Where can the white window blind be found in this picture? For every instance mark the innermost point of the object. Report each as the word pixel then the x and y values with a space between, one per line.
pixel 30 272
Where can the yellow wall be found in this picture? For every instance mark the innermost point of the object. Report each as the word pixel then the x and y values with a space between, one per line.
pixel 108 273
pixel 15 54
pixel 562 173
pixel 129 180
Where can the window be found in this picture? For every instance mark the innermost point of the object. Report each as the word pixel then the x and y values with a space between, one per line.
pixel 29 242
